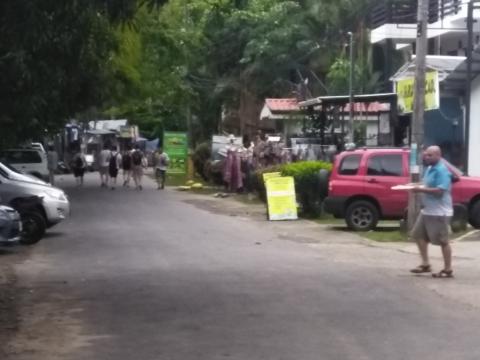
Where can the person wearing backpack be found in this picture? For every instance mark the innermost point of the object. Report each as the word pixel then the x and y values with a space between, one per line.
pixel 79 163
pixel 127 166
pixel 113 166
pixel 137 167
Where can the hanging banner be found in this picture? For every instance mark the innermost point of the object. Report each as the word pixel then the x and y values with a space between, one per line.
pixel 175 144
pixel 282 203
pixel 405 89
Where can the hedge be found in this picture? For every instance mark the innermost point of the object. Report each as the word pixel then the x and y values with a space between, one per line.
pixel 310 186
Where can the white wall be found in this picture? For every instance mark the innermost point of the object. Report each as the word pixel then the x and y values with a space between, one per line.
pixel 474 141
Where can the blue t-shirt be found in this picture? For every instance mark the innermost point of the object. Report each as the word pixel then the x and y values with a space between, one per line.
pixel 438 176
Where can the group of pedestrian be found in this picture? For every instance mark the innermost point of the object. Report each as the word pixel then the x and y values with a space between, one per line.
pixel 131 162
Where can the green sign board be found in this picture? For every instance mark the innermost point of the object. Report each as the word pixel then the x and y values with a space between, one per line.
pixel 175 144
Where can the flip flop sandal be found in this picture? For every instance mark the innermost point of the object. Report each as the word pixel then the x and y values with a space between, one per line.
pixel 443 274
pixel 421 269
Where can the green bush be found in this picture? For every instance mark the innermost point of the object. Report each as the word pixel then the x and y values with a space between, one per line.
pixel 201 156
pixel 311 186
pixel 213 171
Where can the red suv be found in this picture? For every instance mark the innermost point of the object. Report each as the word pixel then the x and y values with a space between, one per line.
pixel 361 181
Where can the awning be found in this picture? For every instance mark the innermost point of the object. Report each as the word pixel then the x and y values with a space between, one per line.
pixel 345 99
pixel 100 132
pixel 444 65
pixel 452 70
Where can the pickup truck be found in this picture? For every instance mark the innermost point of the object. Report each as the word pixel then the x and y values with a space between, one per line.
pixel 360 188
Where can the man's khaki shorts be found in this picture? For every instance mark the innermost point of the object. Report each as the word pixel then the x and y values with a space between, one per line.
pixel 137 170
pixel 433 229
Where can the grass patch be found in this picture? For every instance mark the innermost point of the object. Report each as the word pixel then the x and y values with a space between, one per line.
pixel 385 234
pixel 327 219
pixel 393 234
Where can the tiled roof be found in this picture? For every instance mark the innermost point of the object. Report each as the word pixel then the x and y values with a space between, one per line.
pixel 282 105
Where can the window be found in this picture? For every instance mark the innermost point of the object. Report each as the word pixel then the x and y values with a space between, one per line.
pixel 385 165
pixel 22 157
pixel 350 165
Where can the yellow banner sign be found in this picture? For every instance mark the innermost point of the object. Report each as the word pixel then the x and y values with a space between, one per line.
pixel 405 92
pixel 282 203
pixel 267 176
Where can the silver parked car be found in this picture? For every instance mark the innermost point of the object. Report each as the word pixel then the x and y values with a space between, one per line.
pixel 10 225
pixel 40 205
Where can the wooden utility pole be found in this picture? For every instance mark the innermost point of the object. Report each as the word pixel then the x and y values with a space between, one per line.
pixel 350 93
pixel 416 156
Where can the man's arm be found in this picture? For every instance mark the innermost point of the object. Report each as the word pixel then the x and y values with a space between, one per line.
pixel 442 184
pixel 434 191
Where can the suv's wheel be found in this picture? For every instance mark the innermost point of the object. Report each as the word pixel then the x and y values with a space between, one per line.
pixel 34 226
pixel 362 215
pixel 474 215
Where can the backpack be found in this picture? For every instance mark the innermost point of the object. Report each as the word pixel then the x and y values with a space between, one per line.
pixel 163 160
pixel 79 162
pixel 112 165
pixel 137 158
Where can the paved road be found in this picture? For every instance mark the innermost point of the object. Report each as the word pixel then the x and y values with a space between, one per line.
pixel 144 275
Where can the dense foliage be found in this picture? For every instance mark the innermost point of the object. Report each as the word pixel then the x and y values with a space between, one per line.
pixel 199 65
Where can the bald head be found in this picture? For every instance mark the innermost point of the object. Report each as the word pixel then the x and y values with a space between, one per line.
pixel 433 155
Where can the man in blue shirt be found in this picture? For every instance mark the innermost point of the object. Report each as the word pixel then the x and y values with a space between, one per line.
pixel 433 222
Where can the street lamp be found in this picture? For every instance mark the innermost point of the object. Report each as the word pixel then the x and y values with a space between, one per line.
pixel 350 91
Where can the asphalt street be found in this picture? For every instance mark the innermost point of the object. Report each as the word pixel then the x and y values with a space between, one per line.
pixel 146 275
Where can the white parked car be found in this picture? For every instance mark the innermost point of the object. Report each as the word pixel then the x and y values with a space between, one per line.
pixel 28 161
pixel 38 146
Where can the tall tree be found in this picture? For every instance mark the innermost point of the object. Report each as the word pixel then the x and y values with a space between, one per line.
pixel 55 60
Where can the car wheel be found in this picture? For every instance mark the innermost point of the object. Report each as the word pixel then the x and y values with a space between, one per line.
pixel 34 227
pixel 362 215
pixel 474 216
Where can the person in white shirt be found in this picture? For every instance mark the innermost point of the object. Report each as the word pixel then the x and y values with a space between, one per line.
pixel 52 160
pixel 161 161
pixel 103 163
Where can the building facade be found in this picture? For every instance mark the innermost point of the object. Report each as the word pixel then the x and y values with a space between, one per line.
pixel 454 52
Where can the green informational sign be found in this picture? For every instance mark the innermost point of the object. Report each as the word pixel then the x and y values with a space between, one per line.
pixel 175 144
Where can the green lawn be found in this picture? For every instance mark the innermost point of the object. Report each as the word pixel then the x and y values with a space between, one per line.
pixel 385 234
